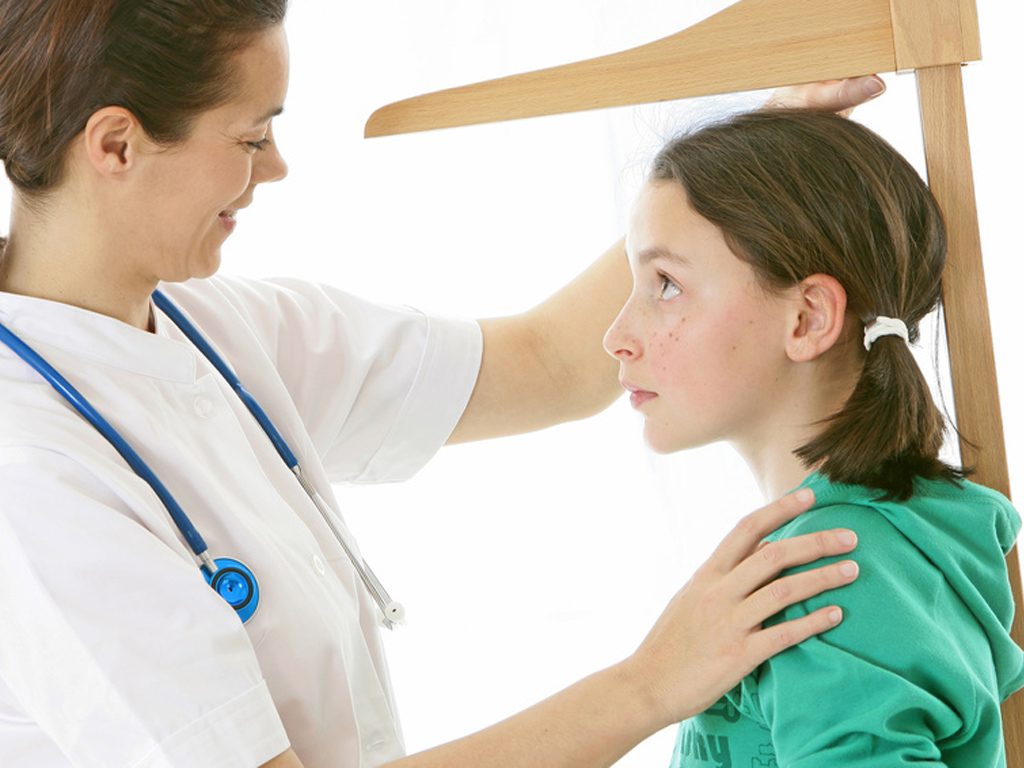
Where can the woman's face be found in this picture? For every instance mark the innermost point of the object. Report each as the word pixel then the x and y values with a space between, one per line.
pixel 186 196
pixel 699 343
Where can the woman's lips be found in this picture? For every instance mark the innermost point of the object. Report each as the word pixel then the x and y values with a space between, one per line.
pixel 227 218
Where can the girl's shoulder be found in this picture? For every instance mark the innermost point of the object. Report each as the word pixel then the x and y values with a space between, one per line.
pixel 931 609
pixel 933 565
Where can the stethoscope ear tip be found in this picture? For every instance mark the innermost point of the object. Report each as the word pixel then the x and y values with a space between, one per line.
pixel 394 613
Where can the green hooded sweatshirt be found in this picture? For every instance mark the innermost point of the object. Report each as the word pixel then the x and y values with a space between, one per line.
pixel 914 674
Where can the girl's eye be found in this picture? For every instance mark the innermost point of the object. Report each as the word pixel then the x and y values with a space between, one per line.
pixel 258 146
pixel 668 289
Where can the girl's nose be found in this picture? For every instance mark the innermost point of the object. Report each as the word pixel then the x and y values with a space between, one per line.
pixel 619 342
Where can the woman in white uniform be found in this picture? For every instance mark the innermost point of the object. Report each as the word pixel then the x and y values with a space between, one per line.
pixel 134 131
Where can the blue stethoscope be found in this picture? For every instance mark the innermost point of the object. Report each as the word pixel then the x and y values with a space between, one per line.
pixel 230 578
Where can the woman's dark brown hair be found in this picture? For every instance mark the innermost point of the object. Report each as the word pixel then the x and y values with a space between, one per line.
pixel 799 192
pixel 166 61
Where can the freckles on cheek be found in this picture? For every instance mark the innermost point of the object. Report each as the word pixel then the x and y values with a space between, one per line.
pixel 667 348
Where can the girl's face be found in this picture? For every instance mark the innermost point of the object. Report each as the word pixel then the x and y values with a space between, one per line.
pixel 200 184
pixel 699 343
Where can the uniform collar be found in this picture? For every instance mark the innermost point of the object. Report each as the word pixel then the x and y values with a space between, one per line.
pixel 94 337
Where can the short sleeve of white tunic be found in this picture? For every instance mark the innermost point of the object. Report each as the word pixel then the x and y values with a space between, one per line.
pixel 114 651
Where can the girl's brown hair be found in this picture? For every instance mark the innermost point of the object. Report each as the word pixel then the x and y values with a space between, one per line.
pixel 800 192
pixel 166 61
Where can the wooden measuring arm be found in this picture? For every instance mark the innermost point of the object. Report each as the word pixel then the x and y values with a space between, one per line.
pixel 751 45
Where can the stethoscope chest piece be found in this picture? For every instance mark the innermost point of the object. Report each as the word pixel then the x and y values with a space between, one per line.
pixel 236 583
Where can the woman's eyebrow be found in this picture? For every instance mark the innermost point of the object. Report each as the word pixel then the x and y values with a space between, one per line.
pixel 649 254
pixel 271 114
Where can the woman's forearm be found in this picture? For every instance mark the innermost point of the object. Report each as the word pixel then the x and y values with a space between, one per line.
pixel 548 365
pixel 570 328
pixel 592 723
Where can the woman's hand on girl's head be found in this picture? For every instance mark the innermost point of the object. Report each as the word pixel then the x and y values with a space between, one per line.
pixel 831 95
pixel 710 635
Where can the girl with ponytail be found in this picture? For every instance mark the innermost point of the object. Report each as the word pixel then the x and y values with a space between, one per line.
pixel 782 263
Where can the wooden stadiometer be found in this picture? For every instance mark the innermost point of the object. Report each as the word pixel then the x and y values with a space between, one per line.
pixel 757 44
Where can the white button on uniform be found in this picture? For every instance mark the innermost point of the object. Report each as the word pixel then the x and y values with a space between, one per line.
pixel 203 407
pixel 319 565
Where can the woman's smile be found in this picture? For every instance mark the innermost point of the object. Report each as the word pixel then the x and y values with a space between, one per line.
pixel 227 218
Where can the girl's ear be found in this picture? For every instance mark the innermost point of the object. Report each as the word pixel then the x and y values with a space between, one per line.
pixel 818 315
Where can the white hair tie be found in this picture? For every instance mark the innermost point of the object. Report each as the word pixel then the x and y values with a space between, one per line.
pixel 884 326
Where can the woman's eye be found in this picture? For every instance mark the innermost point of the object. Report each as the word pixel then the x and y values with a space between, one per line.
pixel 258 146
pixel 668 289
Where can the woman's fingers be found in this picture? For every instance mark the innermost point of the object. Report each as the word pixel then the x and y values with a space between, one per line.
pixel 710 635
pixel 833 95
pixel 781 593
pixel 705 641
pixel 768 642
pixel 750 530
pixel 771 558
pixel 855 91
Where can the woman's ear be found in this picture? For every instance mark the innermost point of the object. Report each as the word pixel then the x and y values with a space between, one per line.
pixel 111 139
pixel 818 315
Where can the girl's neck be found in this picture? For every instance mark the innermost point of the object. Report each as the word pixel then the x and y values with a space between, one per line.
pixel 777 471
pixel 817 392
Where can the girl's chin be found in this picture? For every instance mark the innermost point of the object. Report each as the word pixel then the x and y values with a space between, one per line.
pixel 663 442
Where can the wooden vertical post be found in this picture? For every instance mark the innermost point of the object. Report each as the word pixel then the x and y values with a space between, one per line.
pixel 972 361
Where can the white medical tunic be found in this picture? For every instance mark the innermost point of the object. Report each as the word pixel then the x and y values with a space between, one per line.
pixel 113 649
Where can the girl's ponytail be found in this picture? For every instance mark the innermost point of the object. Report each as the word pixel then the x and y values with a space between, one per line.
pixel 889 430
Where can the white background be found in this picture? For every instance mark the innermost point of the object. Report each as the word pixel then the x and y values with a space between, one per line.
pixel 529 562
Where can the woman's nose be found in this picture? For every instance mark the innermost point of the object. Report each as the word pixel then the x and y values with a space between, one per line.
pixel 274 167
pixel 271 164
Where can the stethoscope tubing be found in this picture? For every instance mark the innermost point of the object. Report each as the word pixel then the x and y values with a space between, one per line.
pixel 229 375
pixel 188 531
pixel 391 610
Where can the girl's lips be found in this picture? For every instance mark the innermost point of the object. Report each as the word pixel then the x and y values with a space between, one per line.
pixel 228 220
pixel 639 397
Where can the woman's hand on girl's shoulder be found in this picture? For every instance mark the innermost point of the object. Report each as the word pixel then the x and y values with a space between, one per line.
pixel 710 635
pixel 831 95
